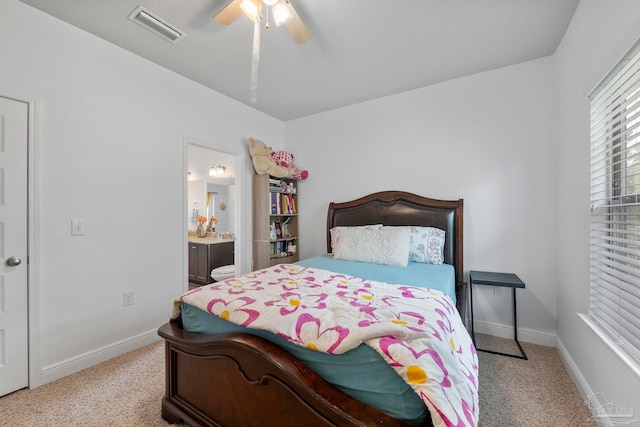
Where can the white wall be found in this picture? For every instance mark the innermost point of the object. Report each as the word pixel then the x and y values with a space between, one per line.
pixel 600 33
pixel 111 151
pixel 487 139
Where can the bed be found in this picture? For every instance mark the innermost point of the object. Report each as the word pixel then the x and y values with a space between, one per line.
pixel 235 378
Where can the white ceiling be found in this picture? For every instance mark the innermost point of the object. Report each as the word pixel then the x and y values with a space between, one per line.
pixel 359 50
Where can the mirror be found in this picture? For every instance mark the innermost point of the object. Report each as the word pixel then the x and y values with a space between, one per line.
pixel 219 205
pixel 211 195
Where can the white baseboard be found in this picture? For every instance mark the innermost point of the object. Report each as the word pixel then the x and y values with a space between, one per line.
pixel 580 381
pixel 572 369
pixel 524 335
pixel 75 364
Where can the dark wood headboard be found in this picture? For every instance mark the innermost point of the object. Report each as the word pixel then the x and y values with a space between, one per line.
pixel 401 208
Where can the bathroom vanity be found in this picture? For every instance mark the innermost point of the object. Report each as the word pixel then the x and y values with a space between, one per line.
pixel 205 254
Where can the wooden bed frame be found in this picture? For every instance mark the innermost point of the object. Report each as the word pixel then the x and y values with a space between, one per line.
pixel 401 208
pixel 238 379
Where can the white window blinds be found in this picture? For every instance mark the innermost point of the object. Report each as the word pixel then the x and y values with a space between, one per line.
pixel 615 203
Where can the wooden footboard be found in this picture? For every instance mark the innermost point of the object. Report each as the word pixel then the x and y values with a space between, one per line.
pixel 461 301
pixel 242 380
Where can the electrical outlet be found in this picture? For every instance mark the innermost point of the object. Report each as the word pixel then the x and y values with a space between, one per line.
pixel 127 298
pixel 497 290
pixel 77 227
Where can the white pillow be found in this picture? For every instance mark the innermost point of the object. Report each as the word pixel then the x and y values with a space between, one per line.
pixel 426 244
pixel 388 245
pixel 364 227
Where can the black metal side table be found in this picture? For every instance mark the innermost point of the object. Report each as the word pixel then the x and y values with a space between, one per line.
pixel 507 280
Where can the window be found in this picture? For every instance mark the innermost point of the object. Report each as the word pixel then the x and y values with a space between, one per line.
pixel 615 203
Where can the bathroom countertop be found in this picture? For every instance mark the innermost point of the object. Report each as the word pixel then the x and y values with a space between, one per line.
pixel 208 240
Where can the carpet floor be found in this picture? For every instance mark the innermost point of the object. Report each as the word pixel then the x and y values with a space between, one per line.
pixel 533 392
pixel 127 391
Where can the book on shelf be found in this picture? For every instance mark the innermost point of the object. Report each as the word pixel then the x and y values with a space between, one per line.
pixel 279 230
pixel 282 204
pixel 280 186
pixel 292 202
pixel 276 185
pixel 280 248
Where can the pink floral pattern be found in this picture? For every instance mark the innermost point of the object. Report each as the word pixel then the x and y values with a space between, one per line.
pixel 417 331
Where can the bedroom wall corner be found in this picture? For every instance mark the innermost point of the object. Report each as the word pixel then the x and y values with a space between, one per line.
pixel 485 138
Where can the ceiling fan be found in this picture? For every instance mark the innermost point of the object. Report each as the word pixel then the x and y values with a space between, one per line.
pixel 282 11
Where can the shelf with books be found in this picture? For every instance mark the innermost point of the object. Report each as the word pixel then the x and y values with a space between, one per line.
pixel 283 203
pixel 280 227
pixel 282 248
pixel 275 221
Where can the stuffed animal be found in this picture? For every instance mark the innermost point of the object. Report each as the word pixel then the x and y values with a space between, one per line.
pixel 263 163
pixel 284 159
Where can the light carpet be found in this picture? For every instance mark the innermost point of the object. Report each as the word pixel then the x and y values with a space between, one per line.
pixel 127 391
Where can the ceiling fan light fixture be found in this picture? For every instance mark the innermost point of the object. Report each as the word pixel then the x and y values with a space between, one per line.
pixel 250 8
pixel 281 13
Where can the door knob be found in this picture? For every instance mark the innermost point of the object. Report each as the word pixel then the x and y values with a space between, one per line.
pixel 13 261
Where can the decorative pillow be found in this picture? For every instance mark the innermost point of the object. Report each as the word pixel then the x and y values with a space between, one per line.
pixel 387 245
pixel 426 244
pixel 364 227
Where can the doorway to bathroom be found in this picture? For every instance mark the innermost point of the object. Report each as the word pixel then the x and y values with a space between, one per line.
pixel 213 212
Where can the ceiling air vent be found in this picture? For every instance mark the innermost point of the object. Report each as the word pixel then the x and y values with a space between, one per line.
pixel 156 25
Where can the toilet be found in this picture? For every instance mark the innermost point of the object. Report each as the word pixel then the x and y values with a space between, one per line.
pixel 224 272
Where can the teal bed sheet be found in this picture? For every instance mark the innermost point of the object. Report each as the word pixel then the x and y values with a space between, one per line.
pixel 361 373
pixel 434 276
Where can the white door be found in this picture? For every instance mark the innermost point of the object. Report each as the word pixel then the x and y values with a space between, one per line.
pixel 13 246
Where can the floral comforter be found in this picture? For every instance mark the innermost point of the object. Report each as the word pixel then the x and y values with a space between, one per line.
pixel 417 331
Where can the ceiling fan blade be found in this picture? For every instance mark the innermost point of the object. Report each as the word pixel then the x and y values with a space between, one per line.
pixel 229 13
pixel 295 26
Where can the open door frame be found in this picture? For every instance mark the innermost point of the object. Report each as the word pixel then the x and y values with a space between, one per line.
pixel 239 167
